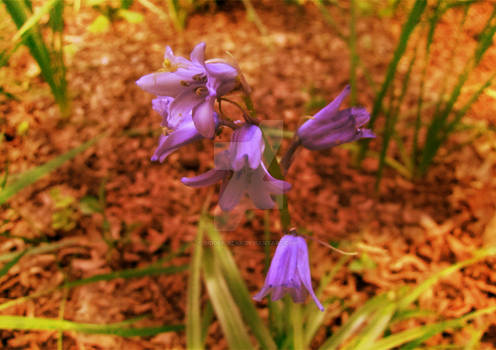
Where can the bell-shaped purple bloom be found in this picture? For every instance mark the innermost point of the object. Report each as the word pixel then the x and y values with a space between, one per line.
pixel 289 272
pixel 331 127
pixel 258 183
pixel 246 147
pixel 184 133
pixel 194 84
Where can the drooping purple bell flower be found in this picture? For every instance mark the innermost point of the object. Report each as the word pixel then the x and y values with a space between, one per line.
pixel 246 147
pixel 257 183
pixel 184 133
pixel 331 127
pixel 289 272
pixel 194 84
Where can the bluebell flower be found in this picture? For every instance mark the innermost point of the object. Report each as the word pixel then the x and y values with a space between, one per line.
pixel 246 147
pixel 289 272
pixel 184 133
pixel 257 183
pixel 331 127
pixel 193 84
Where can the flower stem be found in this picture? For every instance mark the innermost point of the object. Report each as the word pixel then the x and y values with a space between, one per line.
pixel 296 319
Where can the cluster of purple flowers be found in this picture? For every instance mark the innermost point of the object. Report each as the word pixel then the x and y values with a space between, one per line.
pixel 186 94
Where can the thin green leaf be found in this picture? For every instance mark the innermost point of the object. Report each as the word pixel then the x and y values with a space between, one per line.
pixel 193 315
pixel 225 307
pixel 412 296
pixel 45 324
pixel 31 176
pixel 355 321
pixel 207 318
pixel 34 19
pixel 409 335
pixel 410 24
pixel 128 273
pixel 5 268
pixel 376 327
pixel 238 289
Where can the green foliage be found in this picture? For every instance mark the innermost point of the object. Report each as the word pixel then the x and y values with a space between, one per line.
pixel 65 215
pixel 31 176
pixel 448 113
pixel 111 11
pixel 49 56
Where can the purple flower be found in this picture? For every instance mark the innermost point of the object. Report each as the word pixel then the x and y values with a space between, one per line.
pixel 246 147
pixel 289 272
pixel 194 84
pixel 184 133
pixel 331 127
pixel 258 183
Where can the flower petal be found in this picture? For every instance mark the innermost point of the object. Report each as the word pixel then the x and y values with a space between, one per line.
pixel 203 117
pixel 162 83
pixel 233 190
pixel 198 54
pixel 206 179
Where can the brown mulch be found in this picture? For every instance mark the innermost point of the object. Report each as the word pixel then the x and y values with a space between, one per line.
pixel 410 229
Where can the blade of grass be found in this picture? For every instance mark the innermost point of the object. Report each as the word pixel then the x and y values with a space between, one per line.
pixel 42 249
pixel 410 24
pixel 376 327
pixel 125 274
pixel 42 324
pixel 31 176
pixel 32 21
pixel 238 289
pixel 437 128
pixel 5 268
pixel 412 296
pixel 392 118
pixel 207 318
pixel 194 338
pixel 395 340
pixel 314 317
pixel 353 53
pixel 360 316
pixel 224 305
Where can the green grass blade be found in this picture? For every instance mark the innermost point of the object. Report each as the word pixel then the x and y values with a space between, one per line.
pixel 207 318
pixel 376 327
pixel 127 274
pixel 19 11
pixel 315 318
pixel 31 176
pixel 5 268
pixel 46 324
pixel 353 53
pixel 436 132
pixel 42 249
pixel 194 339
pixel 412 296
pixel 392 116
pixel 32 21
pixel 355 321
pixel 395 340
pixel 238 289
pixel 412 21
pixel 224 305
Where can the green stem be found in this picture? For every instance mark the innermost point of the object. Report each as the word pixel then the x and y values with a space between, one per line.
pixel 296 319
